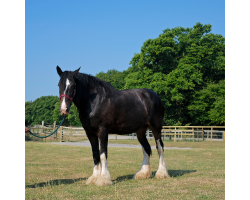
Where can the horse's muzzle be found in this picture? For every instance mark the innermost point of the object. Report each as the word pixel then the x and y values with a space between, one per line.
pixel 64 111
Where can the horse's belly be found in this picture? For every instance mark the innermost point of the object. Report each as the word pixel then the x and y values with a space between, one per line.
pixel 124 130
pixel 128 126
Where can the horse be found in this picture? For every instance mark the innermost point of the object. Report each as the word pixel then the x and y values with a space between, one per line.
pixel 104 110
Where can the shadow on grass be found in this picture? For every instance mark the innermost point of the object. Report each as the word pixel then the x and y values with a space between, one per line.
pixel 172 173
pixel 55 182
pixel 175 173
pixel 123 178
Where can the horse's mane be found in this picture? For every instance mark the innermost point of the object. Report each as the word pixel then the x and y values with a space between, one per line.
pixel 92 81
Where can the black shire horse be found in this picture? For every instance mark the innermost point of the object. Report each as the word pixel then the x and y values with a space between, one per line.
pixel 103 110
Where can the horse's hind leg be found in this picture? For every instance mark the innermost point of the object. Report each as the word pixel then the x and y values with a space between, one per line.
pixel 145 170
pixel 162 171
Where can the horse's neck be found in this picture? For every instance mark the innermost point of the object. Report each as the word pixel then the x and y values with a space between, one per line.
pixel 92 96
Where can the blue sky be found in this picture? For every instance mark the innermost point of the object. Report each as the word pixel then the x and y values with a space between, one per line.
pixel 100 35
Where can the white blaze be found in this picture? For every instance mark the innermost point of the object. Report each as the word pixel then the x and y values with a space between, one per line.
pixel 64 106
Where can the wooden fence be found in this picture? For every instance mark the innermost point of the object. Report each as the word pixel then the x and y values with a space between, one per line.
pixel 60 133
pixel 177 132
pixel 193 132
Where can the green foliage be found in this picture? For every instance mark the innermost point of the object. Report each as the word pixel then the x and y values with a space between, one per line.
pixel 73 116
pixel 56 115
pixel 47 109
pixel 28 113
pixel 40 110
pixel 145 78
pixel 178 65
pixel 72 119
pixel 114 77
pixel 209 104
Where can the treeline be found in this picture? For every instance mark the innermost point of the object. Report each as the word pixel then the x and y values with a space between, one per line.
pixel 47 109
pixel 184 66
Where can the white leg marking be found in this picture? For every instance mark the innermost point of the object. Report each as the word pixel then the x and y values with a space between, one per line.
pixel 145 170
pixel 162 171
pixel 96 174
pixel 105 178
pixel 105 171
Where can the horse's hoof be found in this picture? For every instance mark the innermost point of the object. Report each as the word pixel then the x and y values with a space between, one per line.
pixel 161 175
pixel 142 174
pixel 103 181
pixel 91 180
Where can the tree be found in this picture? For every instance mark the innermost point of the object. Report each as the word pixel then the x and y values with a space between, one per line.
pixel 56 113
pixel 186 60
pixel 73 116
pixel 114 77
pixel 209 104
pixel 47 109
pixel 40 110
pixel 28 113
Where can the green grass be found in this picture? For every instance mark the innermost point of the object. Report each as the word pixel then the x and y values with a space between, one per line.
pixel 60 172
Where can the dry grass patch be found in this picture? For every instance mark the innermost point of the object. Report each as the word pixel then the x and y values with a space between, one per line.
pixel 60 172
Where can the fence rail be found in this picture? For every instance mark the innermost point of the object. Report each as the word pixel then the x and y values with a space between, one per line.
pixel 178 132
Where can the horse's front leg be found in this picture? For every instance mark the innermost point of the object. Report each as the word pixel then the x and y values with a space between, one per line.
pixel 104 178
pixel 96 157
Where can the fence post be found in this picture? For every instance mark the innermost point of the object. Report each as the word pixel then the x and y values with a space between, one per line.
pixel 174 134
pixel 54 127
pixel 45 134
pixel 198 134
pixel 211 134
pixel 224 136
pixel 116 136
pixel 193 134
pixel 169 133
pixel 37 130
pixel 202 134
pixel 61 134
pixel 42 126
pixel 148 133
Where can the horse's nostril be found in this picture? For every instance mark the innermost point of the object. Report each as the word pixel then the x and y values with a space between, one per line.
pixel 67 110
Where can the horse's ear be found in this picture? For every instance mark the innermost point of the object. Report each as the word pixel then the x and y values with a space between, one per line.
pixel 76 72
pixel 59 71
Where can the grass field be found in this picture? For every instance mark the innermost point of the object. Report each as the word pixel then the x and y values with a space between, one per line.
pixel 60 172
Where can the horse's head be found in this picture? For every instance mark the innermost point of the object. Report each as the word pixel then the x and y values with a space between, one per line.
pixel 67 89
